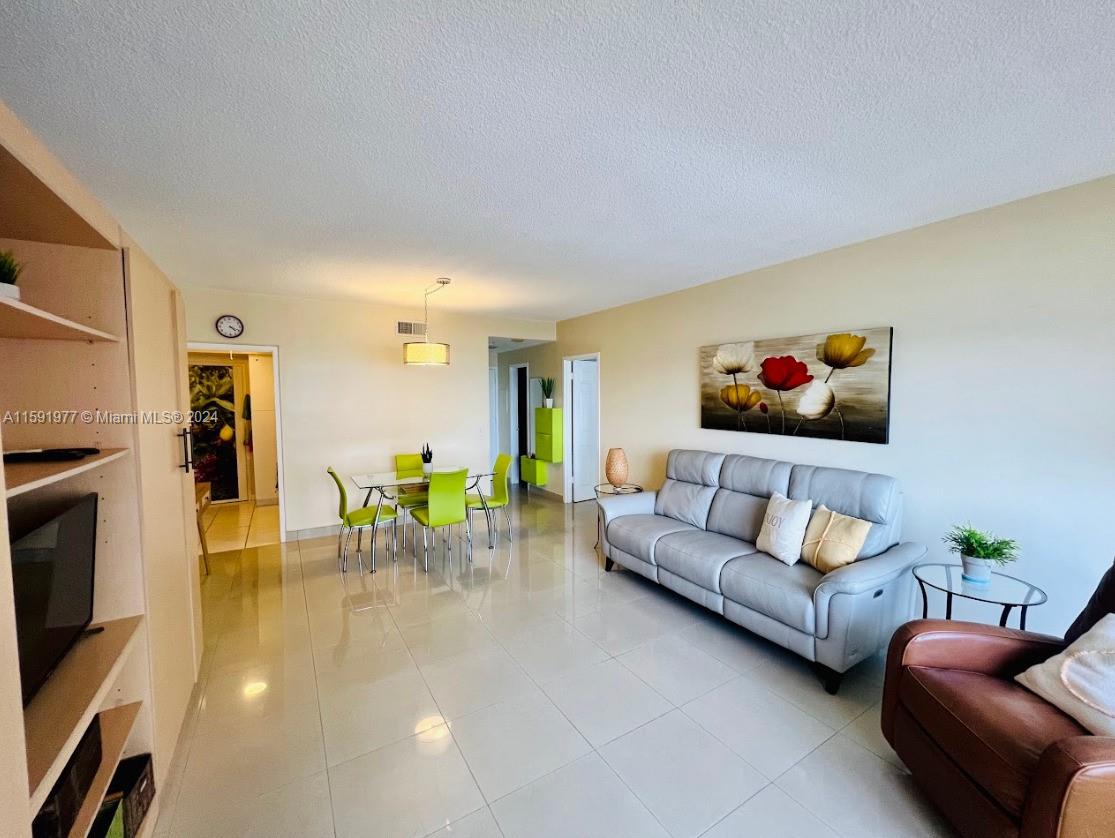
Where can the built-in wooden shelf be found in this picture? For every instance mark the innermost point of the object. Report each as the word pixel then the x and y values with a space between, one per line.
pixel 23 477
pixel 58 715
pixel 20 320
pixel 116 726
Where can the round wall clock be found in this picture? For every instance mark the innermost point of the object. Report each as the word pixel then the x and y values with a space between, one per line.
pixel 230 326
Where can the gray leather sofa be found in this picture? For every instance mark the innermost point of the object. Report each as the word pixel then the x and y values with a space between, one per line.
pixel 696 536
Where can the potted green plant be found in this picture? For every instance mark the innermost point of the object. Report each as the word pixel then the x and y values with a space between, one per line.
pixel 547 385
pixel 980 551
pixel 10 269
pixel 427 455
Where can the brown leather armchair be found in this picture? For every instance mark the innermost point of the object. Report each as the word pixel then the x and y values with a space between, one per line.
pixel 994 757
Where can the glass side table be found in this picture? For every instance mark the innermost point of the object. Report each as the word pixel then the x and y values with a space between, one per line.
pixel 1002 589
pixel 604 489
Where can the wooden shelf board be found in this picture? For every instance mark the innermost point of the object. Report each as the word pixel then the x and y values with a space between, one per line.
pixel 116 726
pixel 20 320
pixel 24 477
pixel 58 715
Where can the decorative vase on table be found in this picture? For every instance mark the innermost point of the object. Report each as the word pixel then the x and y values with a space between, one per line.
pixel 975 570
pixel 615 467
pixel 427 469
pixel 549 403
pixel 8 290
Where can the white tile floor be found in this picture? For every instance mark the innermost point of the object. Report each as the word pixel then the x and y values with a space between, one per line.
pixel 232 526
pixel 527 694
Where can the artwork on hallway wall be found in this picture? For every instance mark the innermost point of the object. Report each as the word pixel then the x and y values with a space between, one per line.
pixel 833 385
pixel 212 403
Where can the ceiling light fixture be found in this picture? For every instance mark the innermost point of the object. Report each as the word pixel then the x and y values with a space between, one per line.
pixel 423 353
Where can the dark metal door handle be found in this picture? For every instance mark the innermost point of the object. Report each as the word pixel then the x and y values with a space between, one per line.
pixel 187 450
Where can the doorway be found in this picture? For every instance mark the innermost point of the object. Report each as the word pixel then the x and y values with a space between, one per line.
pixel 581 382
pixel 518 418
pixel 237 447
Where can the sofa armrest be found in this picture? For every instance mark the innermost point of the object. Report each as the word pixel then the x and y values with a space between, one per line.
pixel 1071 792
pixel 616 506
pixel 866 574
pixel 951 644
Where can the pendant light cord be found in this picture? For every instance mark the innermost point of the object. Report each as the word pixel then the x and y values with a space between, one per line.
pixel 433 289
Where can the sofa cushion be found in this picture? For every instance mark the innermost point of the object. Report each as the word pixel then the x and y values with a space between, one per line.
pixel 637 534
pixel 870 497
pixel 745 485
pixel 698 556
pixel 780 591
pixel 994 729
pixel 688 502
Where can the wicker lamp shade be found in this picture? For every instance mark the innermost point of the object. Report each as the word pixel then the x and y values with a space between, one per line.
pixel 615 467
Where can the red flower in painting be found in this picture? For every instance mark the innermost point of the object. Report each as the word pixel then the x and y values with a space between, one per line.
pixel 784 372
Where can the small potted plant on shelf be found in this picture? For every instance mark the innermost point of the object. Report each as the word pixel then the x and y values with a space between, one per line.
pixel 547 385
pixel 979 551
pixel 10 269
pixel 427 459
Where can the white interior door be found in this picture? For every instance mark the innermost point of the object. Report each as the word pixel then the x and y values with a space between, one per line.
pixel 585 428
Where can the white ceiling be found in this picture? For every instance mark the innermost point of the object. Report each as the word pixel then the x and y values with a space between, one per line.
pixel 553 157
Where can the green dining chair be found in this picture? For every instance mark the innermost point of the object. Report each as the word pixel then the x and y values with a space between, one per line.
pixel 500 498
pixel 409 465
pixel 360 520
pixel 445 508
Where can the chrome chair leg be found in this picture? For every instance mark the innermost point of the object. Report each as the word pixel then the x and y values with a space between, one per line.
pixel 340 538
pixel 507 515
pixel 425 552
pixel 468 533
pixel 344 556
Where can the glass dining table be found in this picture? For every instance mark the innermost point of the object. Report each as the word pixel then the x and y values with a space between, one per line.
pixel 390 484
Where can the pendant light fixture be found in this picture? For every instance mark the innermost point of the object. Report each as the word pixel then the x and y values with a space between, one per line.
pixel 423 353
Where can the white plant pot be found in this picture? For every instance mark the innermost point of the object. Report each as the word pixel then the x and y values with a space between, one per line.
pixel 9 291
pixel 975 570
pixel 549 402
pixel 427 468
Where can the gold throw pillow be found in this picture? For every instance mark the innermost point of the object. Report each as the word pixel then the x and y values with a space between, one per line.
pixel 833 540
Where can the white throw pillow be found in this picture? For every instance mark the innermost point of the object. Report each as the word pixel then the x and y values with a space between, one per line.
pixel 784 525
pixel 1081 680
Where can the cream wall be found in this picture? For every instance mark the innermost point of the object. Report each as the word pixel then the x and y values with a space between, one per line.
pixel 345 397
pixel 1003 386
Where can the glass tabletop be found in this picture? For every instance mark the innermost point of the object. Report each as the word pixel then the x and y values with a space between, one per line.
pixel 1001 589
pixel 384 479
pixel 623 489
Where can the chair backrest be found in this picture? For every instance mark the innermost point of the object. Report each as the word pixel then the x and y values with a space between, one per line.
pixel 447 497
pixel 408 465
pixel 500 492
pixel 343 511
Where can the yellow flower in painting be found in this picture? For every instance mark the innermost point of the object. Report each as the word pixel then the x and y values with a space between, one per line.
pixel 843 351
pixel 740 397
pixel 734 358
pixel 226 434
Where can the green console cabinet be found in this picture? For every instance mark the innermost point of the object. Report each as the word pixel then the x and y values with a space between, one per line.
pixel 548 440
pixel 532 471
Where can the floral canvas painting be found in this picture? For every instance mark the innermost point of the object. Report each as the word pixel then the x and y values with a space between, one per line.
pixel 834 385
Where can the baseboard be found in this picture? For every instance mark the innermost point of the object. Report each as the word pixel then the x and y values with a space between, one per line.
pixel 267 502
pixel 312 532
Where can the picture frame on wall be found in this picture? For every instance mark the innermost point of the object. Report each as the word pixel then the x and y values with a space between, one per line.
pixel 830 385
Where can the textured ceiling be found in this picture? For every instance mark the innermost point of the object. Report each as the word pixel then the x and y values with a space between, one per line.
pixel 552 157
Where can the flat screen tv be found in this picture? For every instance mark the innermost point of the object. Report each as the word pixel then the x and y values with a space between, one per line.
pixel 53 553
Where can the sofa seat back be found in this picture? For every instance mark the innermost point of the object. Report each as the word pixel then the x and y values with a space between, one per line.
pixel 692 478
pixel 745 487
pixel 869 497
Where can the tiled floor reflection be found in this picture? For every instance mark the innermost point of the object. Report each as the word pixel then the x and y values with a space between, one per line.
pixel 527 693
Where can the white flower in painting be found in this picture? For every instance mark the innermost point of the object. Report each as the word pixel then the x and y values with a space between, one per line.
pixel 733 358
pixel 817 401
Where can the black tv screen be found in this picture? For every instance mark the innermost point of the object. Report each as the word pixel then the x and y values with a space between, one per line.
pixel 52 573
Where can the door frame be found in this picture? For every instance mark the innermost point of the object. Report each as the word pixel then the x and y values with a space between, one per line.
pixel 567 418
pixel 513 418
pixel 273 351
pixel 493 392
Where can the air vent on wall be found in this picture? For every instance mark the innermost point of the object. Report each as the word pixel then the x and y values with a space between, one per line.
pixel 410 327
